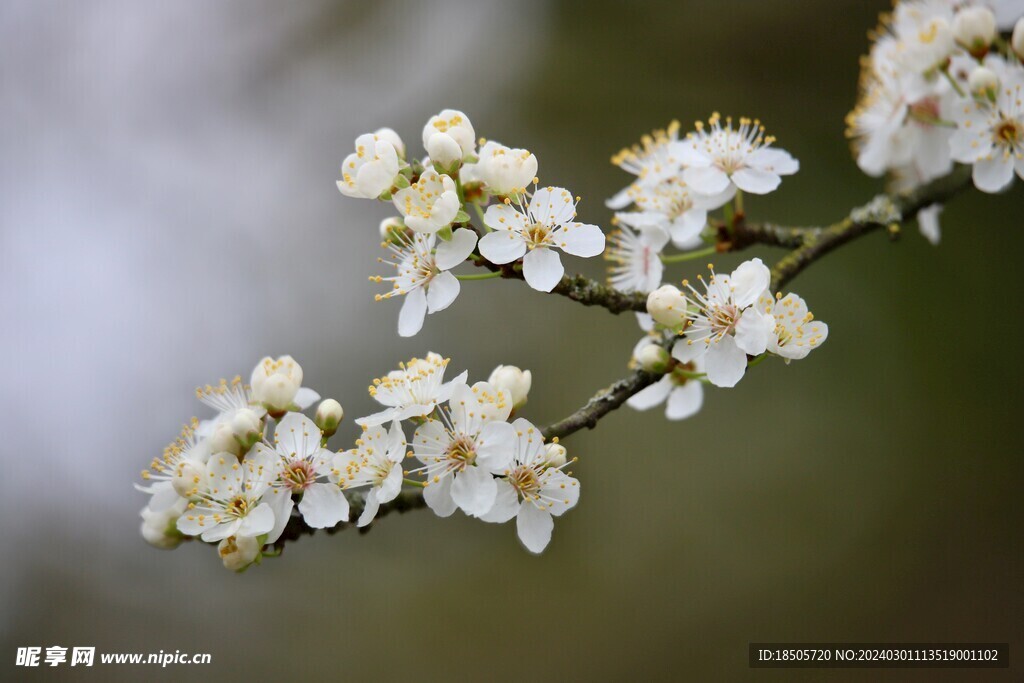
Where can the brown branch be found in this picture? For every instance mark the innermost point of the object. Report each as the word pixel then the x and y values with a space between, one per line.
pixel 600 405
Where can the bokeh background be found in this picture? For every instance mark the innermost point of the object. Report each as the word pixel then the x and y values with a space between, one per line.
pixel 170 216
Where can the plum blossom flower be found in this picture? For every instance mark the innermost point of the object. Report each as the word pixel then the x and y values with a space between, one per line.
pixel 725 157
pixel 723 323
pixel 924 33
pixel 232 502
pixel 414 390
pixel 682 393
pixel 991 136
pixel 160 527
pixel 180 472
pixel 463 448
pixel 449 137
pixel 796 333
pixel 301 466
pixel 429 204
pixel 657 158
pixel 635 256
pixel 422 275
pixel 505 171
pixel 536 230
pixel 376 461
pixel 533 489
pixel 673 206
pixel 371 169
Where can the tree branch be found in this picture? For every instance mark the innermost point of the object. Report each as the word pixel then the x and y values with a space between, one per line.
pixel 600 405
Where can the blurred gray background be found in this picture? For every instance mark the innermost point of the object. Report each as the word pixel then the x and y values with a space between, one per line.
pixel 170 216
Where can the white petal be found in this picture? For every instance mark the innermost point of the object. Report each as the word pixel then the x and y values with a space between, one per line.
pixel 503 217
pixel 297 436
pixel 370 507
pixel 651 396
pixel 506 504
pixel 688 226
pixel 280 501
pixel 453 252
pixel 706 179
pixel 542 269
pixel 621 200
pixel 414 310
pixel 224 475
pixel 748 281
pixel 685 401
pixel 726 363
pixel 391 486
pixel 502 246
pixel 684 352
pixel 992 175
pixel 580 239
pixel 495 446
pixel 259 521
pixel 755 181
pixel 438 497
pixel 928 222
pixel 442 290
pixel 777 161
pixel 560 491
pixel 534 527
pixel 752 331
pixel 552 206
pixel 305 397
pixel 323 506
pixel 474 490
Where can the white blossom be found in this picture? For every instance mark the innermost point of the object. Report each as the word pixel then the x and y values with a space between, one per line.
pixel 796 333
pixel 232 503
pixel 180 471
pixel 376 461
pixel 422 274
pixel 675 208
pixel 532 490
pixel 429 204
pixel 723 158
pixel 679 390
pixel 302 466
pixel 723 323
pixel 991 136
pixel 371 169
pixel 505 171
pixel 667 305
pixel 657 158
pixel 463 447
pixel 446 128
pixel 414 390
pixel 159 527
pixel 238 552
pixel 515 381
pixel 974 28
pixel 635 255
pixel 536 231
pixel 277 385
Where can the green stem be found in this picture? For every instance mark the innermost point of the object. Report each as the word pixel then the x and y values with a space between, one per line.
pixel 757 361
pixel 739 202
pixel 689 255
pixel 413 482
pixel 952 81
pixel 480 276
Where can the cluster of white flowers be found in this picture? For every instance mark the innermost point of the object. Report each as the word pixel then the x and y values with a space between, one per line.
pixel 229 480
pixel 940 86
pixel 709 334
pixel 434 234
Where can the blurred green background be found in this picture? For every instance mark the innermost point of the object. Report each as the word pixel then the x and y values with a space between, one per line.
pixel 868 493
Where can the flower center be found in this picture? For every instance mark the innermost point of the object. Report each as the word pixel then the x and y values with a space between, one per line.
pixel 537 235
pixel 299 475
pixel 524 479
pixel 1008 132
pixel 723 319
pixel 238 507
pixel 461 453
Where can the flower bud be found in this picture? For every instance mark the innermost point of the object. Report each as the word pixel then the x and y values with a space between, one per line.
pixel 390 136
pixel 329 415
pixel 275 382
pixel 555 453
pixel 391 229
pixel 505 171
pixel 667 305
pixel 222 440
pixel 515 381
pixel 974 28
pixel 444 151
pixel 160 529
pixel 247 428
pixel 1017 39
pixel 238 552
pixel 653 358
pixel 984 82
pixel 189 476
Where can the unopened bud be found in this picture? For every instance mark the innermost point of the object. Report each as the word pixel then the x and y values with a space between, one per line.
pixel 275 382
pixel 329 415
pixel 247 427
pixel 189 476
pixel 555 454
pixel 222 440
pixel 984 82
pixel 1017 39
pixel 388 135
pixel 238 552
pixel 654 358
pixel 160 529
pixel 444 151
pixel 667 305
pixel 974 28
pixel 517 382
